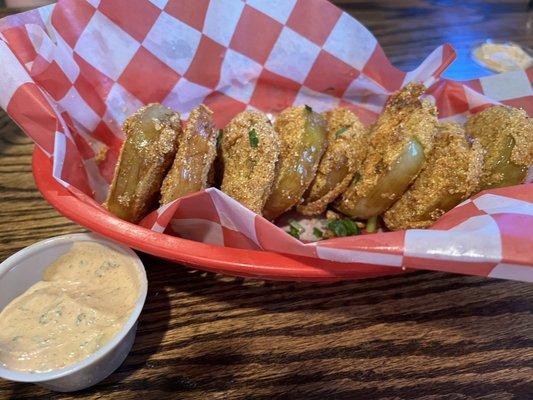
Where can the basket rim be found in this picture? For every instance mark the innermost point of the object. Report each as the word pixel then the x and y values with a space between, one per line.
pixel 231 261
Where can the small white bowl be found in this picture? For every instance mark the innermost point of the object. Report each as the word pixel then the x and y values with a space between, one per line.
pixel 25 268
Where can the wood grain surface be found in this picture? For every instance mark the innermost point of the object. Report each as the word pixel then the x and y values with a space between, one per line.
pixel 420 336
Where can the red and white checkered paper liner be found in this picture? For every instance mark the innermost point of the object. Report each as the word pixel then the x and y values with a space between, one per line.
pixel 71 73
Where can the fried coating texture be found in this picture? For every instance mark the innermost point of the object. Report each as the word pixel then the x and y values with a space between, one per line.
pixel 451 174
pixel 250 148
pixel 195 155
pixel 346 150
pixel 151 142
pixel 399 143
pixel 303 140
pixel 506 134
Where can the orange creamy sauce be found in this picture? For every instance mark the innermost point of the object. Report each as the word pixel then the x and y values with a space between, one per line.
pixel 82 302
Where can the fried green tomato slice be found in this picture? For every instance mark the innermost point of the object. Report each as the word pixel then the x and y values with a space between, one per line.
pixel 250 149
pixel 506 134
pixel 451 174
pixel 195 155
pixel 346 150
pixel 303 140
pixel 399 143
pixel 151 142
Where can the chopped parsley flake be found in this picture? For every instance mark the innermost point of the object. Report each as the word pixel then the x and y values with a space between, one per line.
pixel 340 132
pixel 343 227
pixel 308 108
pixel 356 178
pixel 318 233
pixel 254 140
pixel 44 318
pixel 80 318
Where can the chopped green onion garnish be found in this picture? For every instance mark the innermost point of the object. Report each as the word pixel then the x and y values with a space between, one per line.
pixel 340 132
pixel 295 229
pixel 318 233
pixel 308 108
pixel 372 224
pixel 343 227
pixel 254 140
pixel 294 232
pixel 296 224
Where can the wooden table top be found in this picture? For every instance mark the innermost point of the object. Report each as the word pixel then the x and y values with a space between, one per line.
pixel 420 336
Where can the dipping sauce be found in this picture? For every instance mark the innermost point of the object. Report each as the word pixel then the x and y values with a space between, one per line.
pixel 502 57
pixel 84 299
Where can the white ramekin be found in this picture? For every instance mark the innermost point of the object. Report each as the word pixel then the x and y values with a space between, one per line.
pixel 25 268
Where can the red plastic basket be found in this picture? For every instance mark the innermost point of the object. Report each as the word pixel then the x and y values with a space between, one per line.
pixel 225 260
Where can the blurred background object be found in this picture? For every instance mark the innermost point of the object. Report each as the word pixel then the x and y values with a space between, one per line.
pixel 409 30
pixel 502 57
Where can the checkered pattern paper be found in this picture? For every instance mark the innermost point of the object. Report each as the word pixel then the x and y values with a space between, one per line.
pixel 72 72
